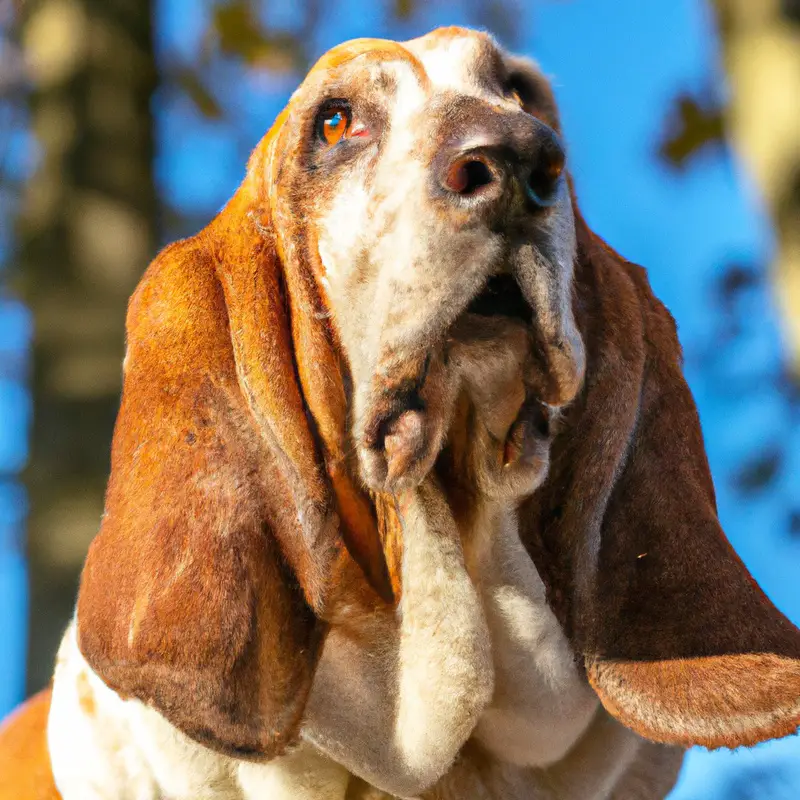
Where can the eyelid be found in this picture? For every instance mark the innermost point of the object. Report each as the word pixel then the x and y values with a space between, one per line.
pixel 333 105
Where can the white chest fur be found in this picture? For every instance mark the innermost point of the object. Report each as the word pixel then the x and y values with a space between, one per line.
pixel 541 704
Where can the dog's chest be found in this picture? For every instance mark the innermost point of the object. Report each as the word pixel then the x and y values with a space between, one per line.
pixel 539 707
pixel 541 702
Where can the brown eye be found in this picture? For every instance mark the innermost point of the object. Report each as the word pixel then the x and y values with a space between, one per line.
pixel 334 125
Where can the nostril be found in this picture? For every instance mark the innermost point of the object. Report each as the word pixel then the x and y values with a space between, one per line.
pixel 544 180
pixel 468 175
pixel 542 189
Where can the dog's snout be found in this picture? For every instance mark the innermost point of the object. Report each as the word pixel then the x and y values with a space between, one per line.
pixel 498 155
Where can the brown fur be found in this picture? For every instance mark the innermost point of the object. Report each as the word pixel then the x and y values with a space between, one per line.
pixel 221 534
pixel 25 772
pixel 625 533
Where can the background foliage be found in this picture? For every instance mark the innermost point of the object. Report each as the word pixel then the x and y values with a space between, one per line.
pixel 126 123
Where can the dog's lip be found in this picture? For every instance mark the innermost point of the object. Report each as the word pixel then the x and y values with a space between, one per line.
pixel 395 428
pixel 531 426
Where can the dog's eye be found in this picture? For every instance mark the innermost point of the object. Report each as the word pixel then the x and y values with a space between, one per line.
pixel 334 124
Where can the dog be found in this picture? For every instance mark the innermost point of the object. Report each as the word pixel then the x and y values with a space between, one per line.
pixel 408 495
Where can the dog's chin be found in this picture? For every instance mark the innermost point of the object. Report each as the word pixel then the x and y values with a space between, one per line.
pixel 406 430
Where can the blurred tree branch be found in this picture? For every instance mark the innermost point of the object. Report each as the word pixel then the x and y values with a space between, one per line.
pixel 696 124
pixel 12 101
pixel 237 32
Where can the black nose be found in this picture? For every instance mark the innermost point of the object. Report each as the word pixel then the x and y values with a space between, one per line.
pixel 499 154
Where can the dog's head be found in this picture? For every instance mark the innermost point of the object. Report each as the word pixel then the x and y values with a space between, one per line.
pixel 420 182
pixel 403 283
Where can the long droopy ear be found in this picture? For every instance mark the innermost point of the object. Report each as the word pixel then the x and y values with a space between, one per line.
pixel 679 642
pixel 221 537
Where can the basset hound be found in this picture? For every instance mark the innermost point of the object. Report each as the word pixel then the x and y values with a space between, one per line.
pixel 408 495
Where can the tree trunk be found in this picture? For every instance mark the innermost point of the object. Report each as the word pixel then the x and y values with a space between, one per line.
pixel 761 43
pixel 86 230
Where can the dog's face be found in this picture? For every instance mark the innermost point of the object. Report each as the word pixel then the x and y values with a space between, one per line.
pixel 427 189
pixel 394 278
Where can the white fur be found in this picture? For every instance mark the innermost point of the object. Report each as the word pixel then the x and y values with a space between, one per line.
pixel 94 755
pixel 608 761
pixel 397 709
pixel 304 774
pixel 541 704
pixel 449 66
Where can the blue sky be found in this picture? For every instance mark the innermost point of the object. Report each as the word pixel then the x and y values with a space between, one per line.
pixel 14 420
pixel 616 66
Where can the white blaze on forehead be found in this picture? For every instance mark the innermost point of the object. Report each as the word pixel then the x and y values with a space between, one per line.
pixel 410 97
pixel 449 62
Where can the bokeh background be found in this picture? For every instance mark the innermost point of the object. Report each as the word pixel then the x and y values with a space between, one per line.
pixel 125 124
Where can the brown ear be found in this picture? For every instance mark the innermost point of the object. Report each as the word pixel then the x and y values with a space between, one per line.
pixel 220 539
pixel 679 642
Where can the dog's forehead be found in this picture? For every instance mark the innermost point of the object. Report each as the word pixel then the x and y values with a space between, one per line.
pixel 453 58
pixel 447 59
